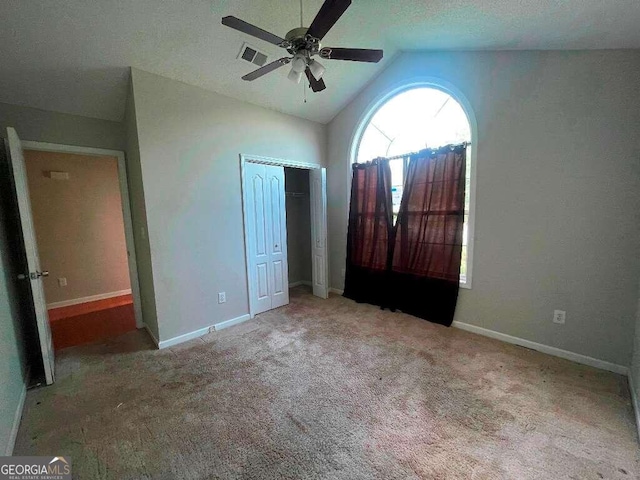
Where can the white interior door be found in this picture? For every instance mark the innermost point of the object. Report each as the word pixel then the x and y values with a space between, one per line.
pixel 256 237
pixel 319 255
pixel 35 273
pixel 278 229
pixel 265 236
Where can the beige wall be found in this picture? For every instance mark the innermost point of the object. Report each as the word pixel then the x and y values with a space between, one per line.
pixel 190 140
pixel 558 182
pixel 79 224
pixel 298 225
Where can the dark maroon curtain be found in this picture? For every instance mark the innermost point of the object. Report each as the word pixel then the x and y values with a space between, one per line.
pixel 425 267
pixel 369 235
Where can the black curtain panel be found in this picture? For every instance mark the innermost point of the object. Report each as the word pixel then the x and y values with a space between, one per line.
pixel 427 250
pixel 369 237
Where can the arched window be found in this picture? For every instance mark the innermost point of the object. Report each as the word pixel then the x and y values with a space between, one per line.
pixel 418 118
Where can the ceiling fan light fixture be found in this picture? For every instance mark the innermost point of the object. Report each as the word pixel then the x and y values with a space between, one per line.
pixel 294 76
pixel 317 69
pixel 298 64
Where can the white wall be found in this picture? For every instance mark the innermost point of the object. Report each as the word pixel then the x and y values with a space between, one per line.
pixel 634 370
pixel 139 217
pixel 43 126
pixel 558 182
pixel 189 143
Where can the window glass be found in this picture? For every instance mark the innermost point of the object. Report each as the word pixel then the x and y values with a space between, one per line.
pixel 411 121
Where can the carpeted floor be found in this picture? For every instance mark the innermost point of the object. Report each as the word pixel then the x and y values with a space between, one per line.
pixel 329 389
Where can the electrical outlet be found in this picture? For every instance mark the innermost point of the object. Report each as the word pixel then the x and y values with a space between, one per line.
pixel 62 282
pixel 222 297
pixel 559 316
pixel 343 272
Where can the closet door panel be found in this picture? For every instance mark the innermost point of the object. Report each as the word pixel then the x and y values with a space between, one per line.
pixel 279 269
pixel 257 224
pixel 320 255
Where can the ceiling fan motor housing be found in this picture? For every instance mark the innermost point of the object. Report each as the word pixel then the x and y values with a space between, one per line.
pixel 297 41
pixel 296 33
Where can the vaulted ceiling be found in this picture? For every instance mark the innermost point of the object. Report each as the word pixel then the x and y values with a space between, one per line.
pixel 73 56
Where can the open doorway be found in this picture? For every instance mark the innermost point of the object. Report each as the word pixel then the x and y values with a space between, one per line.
pixel 33 273
pixel 298 207
pixel 79 224
pixel 267 239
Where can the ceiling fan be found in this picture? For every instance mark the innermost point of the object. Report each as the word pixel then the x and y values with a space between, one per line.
pixel 304 43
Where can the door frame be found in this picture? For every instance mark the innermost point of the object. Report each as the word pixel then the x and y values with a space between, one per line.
pixel 126 207
pixel 280 162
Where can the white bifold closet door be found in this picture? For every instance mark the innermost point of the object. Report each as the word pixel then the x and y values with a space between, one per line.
pixel 320 265
pixel 266 236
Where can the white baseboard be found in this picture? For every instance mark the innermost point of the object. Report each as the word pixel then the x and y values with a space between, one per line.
pixel 183 338
pixel 300 282
pixel 230 323
pixel 635 400
pixel 91 298
pixel 13 434
pixel 336 290
pixel 556 352
pixel 200 332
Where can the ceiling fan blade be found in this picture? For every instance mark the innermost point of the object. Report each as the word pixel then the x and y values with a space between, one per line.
pixel 352 54
pixel 252 30
pixel 326 18
pixel 316 85
pixel 269 67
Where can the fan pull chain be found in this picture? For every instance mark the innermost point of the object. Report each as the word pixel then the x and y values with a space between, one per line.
pixel 304 88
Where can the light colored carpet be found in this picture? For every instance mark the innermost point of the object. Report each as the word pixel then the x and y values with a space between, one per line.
pixel 329 389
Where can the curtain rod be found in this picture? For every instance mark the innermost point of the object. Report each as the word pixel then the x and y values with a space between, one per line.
pixel 404 155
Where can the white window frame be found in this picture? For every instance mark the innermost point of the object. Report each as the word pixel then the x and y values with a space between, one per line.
pixel 449 89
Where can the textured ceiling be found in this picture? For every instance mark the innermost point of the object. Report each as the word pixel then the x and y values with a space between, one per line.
pixel 73 55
